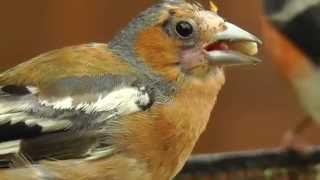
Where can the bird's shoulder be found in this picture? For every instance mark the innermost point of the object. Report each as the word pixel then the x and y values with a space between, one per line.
pixel 64 97
pixel 79 60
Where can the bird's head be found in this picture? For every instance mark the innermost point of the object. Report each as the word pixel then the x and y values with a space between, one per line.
pixel 176 37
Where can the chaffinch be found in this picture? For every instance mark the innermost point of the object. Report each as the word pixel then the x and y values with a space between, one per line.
pixel 130 109
pixel 293 27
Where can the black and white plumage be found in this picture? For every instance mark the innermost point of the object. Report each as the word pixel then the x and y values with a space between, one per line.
pixel 65 113
pixel 299 20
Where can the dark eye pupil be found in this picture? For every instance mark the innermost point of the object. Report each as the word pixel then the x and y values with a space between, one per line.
pixel 184 29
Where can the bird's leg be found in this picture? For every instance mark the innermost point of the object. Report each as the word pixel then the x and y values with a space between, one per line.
pixel 292 139
pixel 303 125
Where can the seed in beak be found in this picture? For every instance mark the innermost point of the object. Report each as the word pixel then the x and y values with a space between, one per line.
pixel 246 47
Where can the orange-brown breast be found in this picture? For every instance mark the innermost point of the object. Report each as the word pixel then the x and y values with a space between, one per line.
pixel 286 56
pixel 165 136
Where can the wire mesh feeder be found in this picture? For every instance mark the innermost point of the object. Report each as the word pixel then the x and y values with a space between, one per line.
pixel 274 164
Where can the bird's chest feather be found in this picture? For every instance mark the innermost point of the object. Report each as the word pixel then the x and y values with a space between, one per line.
pixel 165 136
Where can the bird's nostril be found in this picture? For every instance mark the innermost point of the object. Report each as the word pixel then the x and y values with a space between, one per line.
pixel 223 26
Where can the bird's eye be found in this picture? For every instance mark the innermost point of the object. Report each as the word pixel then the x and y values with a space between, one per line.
pixel 184 29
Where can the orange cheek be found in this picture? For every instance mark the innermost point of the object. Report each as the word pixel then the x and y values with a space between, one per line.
pixel 159 51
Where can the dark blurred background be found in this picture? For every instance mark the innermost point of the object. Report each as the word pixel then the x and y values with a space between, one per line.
pixel 255 108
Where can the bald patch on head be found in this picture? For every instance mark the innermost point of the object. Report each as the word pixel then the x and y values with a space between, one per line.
pixel 210 22
pixel 184 9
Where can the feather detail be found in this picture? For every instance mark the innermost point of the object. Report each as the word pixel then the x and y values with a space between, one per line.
pixel 40 118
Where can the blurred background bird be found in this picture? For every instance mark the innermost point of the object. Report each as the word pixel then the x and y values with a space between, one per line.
pixel 291 29
pixel 130 109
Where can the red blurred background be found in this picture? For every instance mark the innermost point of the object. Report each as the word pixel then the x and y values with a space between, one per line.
pixel 254 110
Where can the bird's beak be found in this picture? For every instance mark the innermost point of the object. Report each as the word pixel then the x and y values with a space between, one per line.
pixel 233 46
